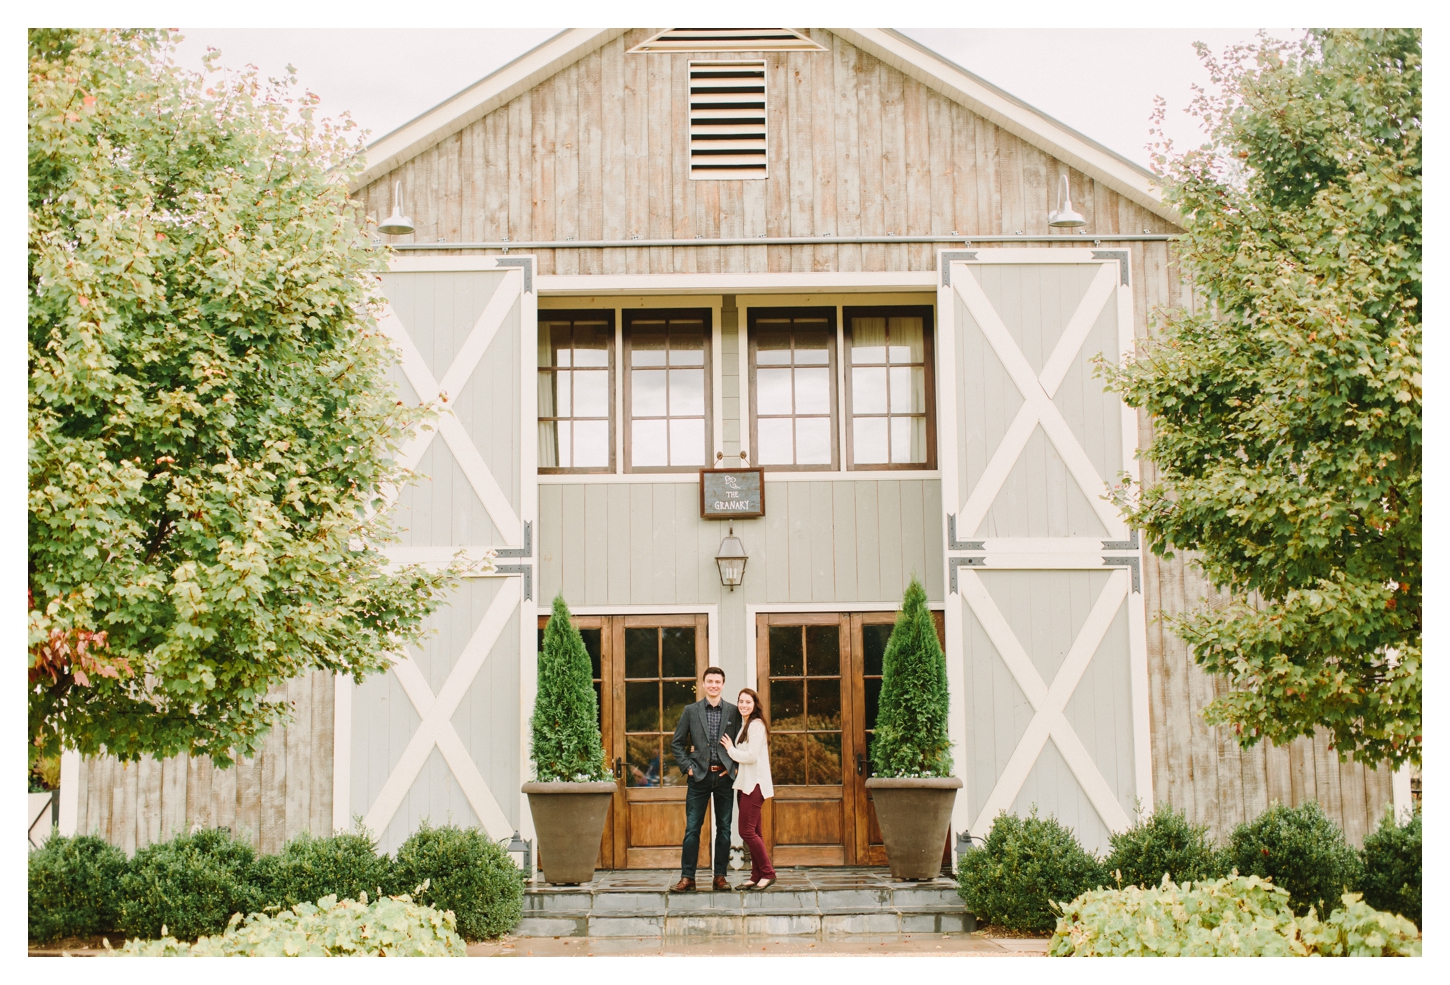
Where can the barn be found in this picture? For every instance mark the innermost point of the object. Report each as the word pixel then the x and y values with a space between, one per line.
pixel 798 287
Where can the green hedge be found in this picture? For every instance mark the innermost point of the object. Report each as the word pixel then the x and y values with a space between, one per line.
pixel 1162 843
pixel 1302 850
pixel 1391 863
pixel 1025 866
pixel 462 870
pixel 308 869
pixel 73 883
pixel 1244 916
pixel 188 886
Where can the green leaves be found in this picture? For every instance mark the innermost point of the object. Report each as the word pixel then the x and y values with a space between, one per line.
pixel 1026 866
pixel 911 723
pixel 1286 400
pixel 212 427
pixel 566 744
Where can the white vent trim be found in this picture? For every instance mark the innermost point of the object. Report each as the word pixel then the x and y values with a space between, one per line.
pixel 728 132
pixel 673 39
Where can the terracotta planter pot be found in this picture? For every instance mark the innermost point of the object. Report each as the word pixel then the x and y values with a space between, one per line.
pixel 915 817
pixel 569 822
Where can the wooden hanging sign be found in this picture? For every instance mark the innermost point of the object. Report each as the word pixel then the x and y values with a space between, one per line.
pixel 729 493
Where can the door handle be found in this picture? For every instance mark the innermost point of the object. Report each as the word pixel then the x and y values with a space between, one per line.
pixel 860 765
pixel 618 767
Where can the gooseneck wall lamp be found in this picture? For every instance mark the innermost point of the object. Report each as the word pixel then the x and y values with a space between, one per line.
pixel 396 224
pixel 1065 216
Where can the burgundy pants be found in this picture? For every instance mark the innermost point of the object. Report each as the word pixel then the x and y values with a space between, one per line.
pixel 749 805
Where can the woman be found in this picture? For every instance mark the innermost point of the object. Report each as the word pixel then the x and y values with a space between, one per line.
pixel 751 750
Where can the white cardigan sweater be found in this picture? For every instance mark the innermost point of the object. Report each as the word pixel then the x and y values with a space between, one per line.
pixel 753 756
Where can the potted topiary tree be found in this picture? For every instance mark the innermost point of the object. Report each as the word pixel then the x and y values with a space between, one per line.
pixel 572 786
pixel 912 783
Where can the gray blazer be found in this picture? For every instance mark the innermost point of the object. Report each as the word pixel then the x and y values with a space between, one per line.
pixel 691 742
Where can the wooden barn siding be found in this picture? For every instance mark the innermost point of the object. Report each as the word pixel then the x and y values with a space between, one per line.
pixel 856 148
pixel 284 791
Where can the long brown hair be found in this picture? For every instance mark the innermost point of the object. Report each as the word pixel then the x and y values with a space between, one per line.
pixel 757 714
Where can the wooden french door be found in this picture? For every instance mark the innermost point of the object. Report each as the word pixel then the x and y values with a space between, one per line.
pixel 645 671
pixel 819 678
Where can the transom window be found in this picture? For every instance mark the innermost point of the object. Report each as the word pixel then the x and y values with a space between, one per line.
pixel 793 399
pixel 667 390
pixel 576 391
pixel 889 392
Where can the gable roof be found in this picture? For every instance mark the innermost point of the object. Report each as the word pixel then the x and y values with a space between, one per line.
pixel 1049 135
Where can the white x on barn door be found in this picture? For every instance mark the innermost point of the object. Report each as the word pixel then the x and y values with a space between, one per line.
pixel 1045 622
pixel 439 737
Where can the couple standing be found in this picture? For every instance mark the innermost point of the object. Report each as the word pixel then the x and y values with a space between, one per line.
pixel 723 750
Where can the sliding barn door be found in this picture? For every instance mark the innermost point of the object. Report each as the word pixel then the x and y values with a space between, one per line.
pixel 442 735
pixel 1045 619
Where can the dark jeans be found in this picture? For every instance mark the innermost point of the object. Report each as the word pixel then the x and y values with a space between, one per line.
pixel 750 805
pixel 698 794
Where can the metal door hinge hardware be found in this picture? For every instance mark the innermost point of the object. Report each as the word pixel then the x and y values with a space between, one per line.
pixel 1126 562
pixel 963 545
pixel 527 263
pixel 946 263
pixel 527 570
pixel 528 549
pixel 955 562
pixel 1119 255
pixel 1131 544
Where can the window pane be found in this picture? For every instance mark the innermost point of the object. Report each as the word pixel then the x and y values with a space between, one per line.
pixel 823 754
pixel 812 349
pixel 823 651
pixel 773 440
pixel 868 340
pixel 647 393
pixel 772 349
pixel 647 445
pixel 787 705
pixel 823 703
pixel 642 761
pixel 908 440
pixel 591 444
pixel 641 706
pixel 677 695
pixel 787 759
pixel 566 445
pixel 772 391
pixel 687 347
pixel 591 344
pixel 563 387
pixel 671 776
pixel 546 346
pixel 641 653
pixel 813 441
pixel 591 393
pixel 647 348
pixel 868 390
pixel 687 442
pixel 548 445
pixel 868 441
pixel 687 391
pixel 906 340
pixel 591 646
pixel 873 641
pixel 677 653
pixel 901 389
pixel 546 395
pixel 785 652
pixel 873 699
pixel 813 391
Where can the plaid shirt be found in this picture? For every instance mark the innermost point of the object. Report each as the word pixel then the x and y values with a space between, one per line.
pixel 713 714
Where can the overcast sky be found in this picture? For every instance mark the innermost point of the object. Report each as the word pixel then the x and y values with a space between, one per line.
pixel 1099 81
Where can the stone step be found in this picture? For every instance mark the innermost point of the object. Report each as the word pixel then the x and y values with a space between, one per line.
pixel 805 902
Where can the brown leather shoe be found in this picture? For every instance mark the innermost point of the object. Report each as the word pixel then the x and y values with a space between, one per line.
pixel 721 883
pixel 683 886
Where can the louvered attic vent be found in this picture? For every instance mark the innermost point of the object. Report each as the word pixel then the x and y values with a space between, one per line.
pixel 726 39
pixel 727 120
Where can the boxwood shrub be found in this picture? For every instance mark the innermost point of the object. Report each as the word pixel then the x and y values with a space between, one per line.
pixel 309 868
pixel 73 884
pixel 1025 866
pixel 1302 850
pixel 191 885
pixel 465 872
pixel 1163 842
pixel 1391 860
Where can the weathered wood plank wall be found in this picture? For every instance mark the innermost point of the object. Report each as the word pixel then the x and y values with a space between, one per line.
pixel 284 791
pixel 856 148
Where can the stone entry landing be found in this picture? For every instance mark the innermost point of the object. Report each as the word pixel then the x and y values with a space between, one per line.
pixel 804 902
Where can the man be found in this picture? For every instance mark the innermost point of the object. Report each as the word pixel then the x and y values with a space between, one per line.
pixel 711 774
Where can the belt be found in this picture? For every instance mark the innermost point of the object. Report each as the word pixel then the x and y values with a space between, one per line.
pixel 717 769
